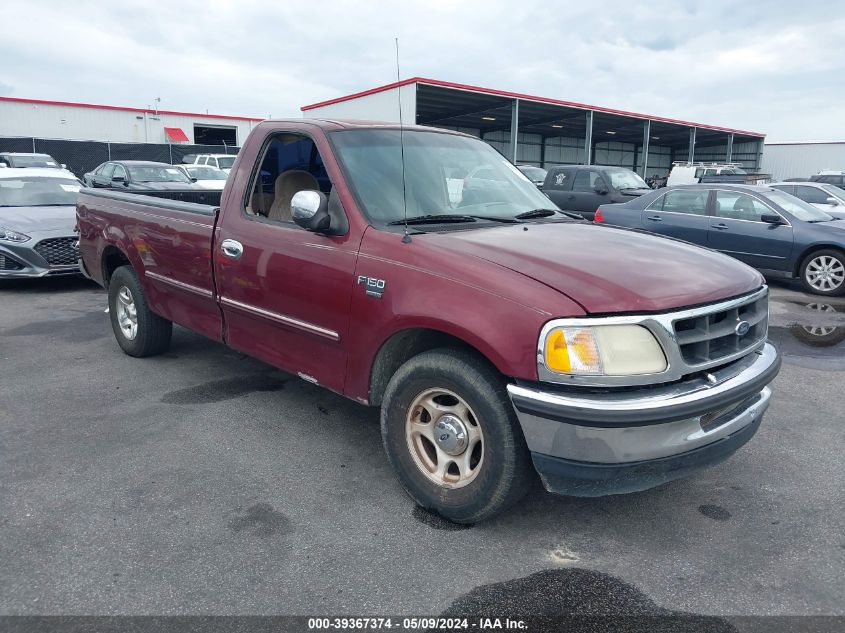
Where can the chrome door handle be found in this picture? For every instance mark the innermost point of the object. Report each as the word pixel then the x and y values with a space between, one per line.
pixel 720 227
pixel 654 218
pixel 232 248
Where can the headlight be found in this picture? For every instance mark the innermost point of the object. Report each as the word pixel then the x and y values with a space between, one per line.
pixel 603 350
pixel 12 236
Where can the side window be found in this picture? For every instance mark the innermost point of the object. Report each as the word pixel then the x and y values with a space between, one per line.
pixel 586 180
pixel 685 201
pixel 561 179
pixel 290 163
pixel 710 172
pixel 813 195
pixel 202 160
pixel 699 173
pixel 108 170
pixel 118 171
pixel 212 161
pixel 656 205
pixel 739 206
pixel 785 188
pixel 97 171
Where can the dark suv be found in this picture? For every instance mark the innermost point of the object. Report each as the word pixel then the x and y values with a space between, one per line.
pixel 583 188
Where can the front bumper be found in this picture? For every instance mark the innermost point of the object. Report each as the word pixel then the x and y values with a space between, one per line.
pixel 22 261
pixel 589 444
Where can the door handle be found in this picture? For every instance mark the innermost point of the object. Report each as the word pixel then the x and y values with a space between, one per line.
pixel 720 227
pixel 232 248
pixel 654 218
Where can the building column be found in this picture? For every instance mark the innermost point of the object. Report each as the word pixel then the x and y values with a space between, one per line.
pixel 588 139
pixel 514 129
pixel 730 152
pixel 691 157
pixel 543 152
pixel 646 139
pixel 759 164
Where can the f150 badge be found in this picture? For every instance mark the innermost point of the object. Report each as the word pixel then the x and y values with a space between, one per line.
pixel 373 286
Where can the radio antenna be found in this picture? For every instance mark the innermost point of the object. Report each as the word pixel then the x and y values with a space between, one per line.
pixel 406 239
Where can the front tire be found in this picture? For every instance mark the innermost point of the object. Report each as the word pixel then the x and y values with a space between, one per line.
pixel 138 331
pixel 823 273
pixel 451 435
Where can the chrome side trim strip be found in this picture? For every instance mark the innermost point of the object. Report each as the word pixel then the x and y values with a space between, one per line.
pixel 203 292
pixel 282 319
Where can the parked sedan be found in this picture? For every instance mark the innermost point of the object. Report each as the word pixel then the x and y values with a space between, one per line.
pixel 582 188
pixel 138 175
pixel 205 177
pixel 828 198
pixel 766 228
pixel 37 220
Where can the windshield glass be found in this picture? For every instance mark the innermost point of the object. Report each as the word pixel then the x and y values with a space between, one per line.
pixel 38 192
pixel 534 173
pixel 626 179
pixel 834 192
pixel 226 162
pixel 207 173
pixel 800 209
pixel 444 174
pixel 32 161
pixel 154 173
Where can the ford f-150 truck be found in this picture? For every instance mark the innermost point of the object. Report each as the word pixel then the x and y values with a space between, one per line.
pixel 500 337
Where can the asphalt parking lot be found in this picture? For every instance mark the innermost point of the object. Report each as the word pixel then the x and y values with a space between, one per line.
pixel 203 481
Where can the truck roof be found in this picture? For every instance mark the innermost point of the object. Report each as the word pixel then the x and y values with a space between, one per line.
pixel 340 124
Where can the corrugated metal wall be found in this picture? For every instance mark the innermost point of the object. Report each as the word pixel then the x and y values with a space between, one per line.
pixel 801 160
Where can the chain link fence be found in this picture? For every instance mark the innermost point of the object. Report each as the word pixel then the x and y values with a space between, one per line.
pixel 83 156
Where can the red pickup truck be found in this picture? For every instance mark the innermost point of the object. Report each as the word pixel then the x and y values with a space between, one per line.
pixel 417 270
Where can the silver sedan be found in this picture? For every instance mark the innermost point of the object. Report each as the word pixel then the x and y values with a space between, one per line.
pixel 37 220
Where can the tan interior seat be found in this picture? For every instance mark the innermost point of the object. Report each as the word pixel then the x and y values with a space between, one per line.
pixel 287 184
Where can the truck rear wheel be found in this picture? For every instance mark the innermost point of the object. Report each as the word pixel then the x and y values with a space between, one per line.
pixel 138 331
pixel 452 437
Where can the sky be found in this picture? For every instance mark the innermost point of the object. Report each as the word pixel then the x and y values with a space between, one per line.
pixel 774 67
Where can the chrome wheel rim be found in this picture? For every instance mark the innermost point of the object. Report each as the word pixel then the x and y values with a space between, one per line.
pixel 444 438
pixel 825 273
pixel 127 315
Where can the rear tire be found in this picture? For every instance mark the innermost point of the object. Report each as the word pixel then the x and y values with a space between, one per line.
pixel 428 403
pixel 138 331
pixel 823 273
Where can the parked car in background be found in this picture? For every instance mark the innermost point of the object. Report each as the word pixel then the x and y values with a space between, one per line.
pixel 219 161
pixel 137 175
pixel 828 198
pixel 766 228
pixel 205 176
pixel 498 337
pixel 835 178
pixel 685 173
pixel 37 220
pixel 537 175
pixel 25 160
pixel 582 188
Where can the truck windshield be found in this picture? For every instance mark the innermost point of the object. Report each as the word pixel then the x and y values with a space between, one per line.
pixel 445 174
pixel 625 179
pixel 33 160
pixel 38 192
pixel 154 173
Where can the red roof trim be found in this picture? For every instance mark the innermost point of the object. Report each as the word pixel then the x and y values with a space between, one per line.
pixel 176 134
pixel 518 95
pixel 125 109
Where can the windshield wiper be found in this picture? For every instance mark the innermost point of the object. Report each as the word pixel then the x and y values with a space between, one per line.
pixel 536 213
pixel 434 219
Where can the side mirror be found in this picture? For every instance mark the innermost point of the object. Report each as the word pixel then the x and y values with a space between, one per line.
pixel 310 210
pixel 771 218
pixel 600 189
pixel 834 201
pixel 119 179
pixel 193 179
pixel 64 166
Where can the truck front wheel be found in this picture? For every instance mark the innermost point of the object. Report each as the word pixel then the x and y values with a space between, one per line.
pixel 451 434
pixel 138 331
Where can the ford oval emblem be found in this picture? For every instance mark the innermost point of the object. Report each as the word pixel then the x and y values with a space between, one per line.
pixel 742 328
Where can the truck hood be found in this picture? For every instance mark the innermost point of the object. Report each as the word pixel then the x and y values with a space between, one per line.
pixel 608 270
pixel 32 219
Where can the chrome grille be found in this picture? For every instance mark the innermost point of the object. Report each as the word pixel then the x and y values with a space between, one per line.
pixel 707 337
pixel 7 263
pixel 58 251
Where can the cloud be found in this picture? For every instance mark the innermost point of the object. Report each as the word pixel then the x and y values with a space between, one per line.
pixel 776 71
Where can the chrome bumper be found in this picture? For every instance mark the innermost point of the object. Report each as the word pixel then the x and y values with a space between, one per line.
pixel 632 427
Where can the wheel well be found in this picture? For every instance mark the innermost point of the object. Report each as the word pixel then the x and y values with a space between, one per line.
pixel 403 346
pixel 113 258
pixel 815 247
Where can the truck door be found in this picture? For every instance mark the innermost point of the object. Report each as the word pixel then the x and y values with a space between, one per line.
pixel 737 230
pixel 284 291
pixel 680 213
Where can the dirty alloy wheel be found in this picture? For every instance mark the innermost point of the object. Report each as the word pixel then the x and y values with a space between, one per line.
pixel 823 272
pixel 138 330
pixel 452 436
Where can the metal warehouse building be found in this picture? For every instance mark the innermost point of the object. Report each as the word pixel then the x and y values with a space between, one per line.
pixel 116 124
pixel 800 159
pixel 548 131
